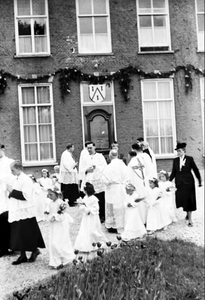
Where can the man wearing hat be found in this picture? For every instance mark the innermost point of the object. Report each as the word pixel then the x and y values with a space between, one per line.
pixel 5 175
pixel 184 180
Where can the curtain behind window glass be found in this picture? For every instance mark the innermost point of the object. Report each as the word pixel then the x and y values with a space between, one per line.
pixel 23 7
pixel 38 7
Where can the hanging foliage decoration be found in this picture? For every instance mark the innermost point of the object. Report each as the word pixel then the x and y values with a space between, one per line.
pixel 123 76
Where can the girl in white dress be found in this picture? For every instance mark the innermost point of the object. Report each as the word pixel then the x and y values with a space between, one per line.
pixel 60 247
pixel 168 195
pixel 45 183
pixel 90 229
pixel 154 221
pixel 134 227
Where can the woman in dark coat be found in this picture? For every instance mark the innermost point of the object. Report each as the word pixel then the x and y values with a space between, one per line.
pixel 184 180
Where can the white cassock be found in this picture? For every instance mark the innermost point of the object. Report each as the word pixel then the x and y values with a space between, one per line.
pixel 168 200
pixel 134 226
pixel 115 177
pixel 6 177
pixel 90 228
pixel 82 162
pixel 95 178
pixel 60 245
pixel 154 215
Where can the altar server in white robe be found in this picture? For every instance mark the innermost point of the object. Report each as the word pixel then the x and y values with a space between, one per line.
pixel 61 250
pixel 25 233
pixel 5 177
pixel 90 229
pixel 84 154
pixel 92 172
pixel 134 227
pixel 69 175
pixel 115 177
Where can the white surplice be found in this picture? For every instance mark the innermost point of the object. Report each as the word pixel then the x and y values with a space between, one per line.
pixel 6 177
pixel 95 177
pixel 90 228
pixel 115 177
pixel 60 245
pixel 133 227
pixel 68 171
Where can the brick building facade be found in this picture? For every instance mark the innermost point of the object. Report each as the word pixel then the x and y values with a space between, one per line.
pixel 39 39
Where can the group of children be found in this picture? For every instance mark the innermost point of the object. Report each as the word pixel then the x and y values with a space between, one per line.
pixel 142 216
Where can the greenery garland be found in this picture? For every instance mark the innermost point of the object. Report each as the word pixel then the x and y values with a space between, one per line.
pixel 123 76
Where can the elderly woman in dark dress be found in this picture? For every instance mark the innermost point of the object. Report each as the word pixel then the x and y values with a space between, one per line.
pixel 184 180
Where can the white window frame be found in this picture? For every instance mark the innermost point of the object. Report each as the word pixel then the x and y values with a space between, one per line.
pixel 33 53
pixel 37 162
pixel 197 27
pixel 168 29
pixel 80 50
pixel 92 104
pixel 170 81
pixel 202 87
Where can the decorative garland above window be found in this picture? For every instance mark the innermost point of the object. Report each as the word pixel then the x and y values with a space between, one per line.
pixel 122 75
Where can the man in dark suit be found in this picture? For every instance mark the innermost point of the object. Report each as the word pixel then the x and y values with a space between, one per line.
pixel 184 180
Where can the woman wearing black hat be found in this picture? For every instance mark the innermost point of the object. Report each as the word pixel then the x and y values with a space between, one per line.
pixel 184 180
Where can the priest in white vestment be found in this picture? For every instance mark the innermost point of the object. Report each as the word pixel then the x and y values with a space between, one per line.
pixel 115 177
pixel 92 172
pixel 5 177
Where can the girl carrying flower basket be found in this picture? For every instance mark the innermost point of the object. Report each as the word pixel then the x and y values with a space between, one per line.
pixel 90 229
pixel 60 247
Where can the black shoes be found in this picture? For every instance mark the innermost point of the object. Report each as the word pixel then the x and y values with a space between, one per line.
pixel 112 230
pixel 20 260
pixel 34 255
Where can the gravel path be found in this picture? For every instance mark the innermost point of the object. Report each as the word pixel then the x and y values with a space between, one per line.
pixel 13 278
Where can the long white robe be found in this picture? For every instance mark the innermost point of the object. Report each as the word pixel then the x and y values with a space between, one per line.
pixel 68 171
pixel 90 228
pixel 134 227
pixel 94 177
pixel 115 177
pixel 6 177
pixel 154 215
pixel 60 245
pixel 168 200
pixel 84 155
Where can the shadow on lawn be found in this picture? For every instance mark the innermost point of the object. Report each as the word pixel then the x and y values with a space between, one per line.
pixel 151 269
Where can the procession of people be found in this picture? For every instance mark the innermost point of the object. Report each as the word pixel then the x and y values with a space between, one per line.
pixel 128 198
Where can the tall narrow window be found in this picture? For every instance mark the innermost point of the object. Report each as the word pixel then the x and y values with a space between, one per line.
pixel 158 115
pixel 153 25
pixel 200 13
pixel 31 22
pixel 93 20
pixel 37 123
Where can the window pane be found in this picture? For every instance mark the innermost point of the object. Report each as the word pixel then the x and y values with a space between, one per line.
pixel 24 27
pixel 159 6
pixel 149 90
pixel 100 25
pixel 167 145
pixel 154 144
pixel 86 26
pixel 23 7
pixel 44 115
pixel 30 134
pixel 45 133
pixel 201 21
pixel 28 95
pixel 164 109
pixel 151 127
pixel 99 132
pixel 29 115
pixel 160 31
pixel 84 7
pixel 39 7
pixel 150 110
pixel 99 6
pixel 165 127
pixel 200 5
pixel 145 21
pixel 144 6
pixel 31 152
pixel 46 151
pixel 40 26
pixel 164 90
pixel 43 95
pixel 159 21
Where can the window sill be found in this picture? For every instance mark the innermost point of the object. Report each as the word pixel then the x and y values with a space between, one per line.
pixel 35 164
pixel 200 51
pixel 95 54
pixel 168 156
pixel 155 52
pixel 32 55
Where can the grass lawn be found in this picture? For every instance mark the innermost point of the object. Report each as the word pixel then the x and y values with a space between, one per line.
pixel 140 270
